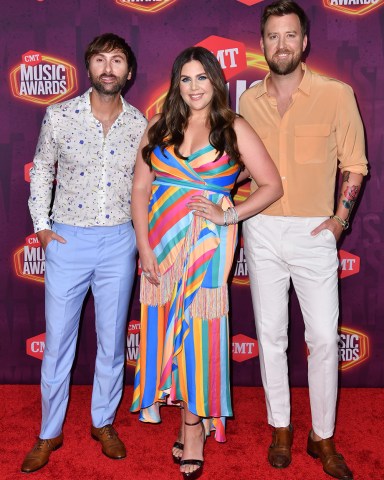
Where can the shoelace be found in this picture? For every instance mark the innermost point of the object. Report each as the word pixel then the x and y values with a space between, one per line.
pixel 109 431
pixel 40 444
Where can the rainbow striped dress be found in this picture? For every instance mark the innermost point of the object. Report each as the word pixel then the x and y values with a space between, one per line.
pixel 184 339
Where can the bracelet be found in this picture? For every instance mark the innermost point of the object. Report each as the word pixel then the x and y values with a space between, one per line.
pixel 343 223
pixel 231 216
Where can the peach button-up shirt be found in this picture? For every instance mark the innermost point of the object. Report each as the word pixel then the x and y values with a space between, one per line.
pixel 320 132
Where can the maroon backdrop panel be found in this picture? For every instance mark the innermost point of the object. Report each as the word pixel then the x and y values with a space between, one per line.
pixel 42 45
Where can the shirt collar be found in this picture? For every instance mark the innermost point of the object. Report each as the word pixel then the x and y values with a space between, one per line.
pixel 85 102
pixel 305 84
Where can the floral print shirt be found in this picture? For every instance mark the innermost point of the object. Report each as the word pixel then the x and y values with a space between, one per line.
pixel 93 172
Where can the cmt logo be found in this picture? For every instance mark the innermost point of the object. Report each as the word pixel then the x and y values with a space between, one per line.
pixel 29 260
pixel 353 348
pixel 36 346
pixel 230 53
pixel 349 264
pixel 133 340
pixel 353 7
pixel 240 275
pixel 244 348
pixel 150 6
pixel 42 79
pixel 250 2
pixel 27 172
pixel 234 59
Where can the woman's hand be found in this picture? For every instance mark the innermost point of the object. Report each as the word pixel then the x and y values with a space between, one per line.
pixel 202 207
pixel 149 266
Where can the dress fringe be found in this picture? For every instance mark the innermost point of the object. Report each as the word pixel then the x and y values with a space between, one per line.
pixel 209 303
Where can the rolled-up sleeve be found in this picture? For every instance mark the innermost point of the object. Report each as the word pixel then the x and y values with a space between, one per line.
pixel 350 134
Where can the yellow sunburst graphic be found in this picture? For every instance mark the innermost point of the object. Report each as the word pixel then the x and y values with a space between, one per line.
pixel 254 60
pixel 149 7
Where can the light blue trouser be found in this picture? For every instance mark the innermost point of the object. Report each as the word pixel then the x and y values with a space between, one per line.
pixel 105 259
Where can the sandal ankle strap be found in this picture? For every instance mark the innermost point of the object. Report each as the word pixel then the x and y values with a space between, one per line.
pixel 193 424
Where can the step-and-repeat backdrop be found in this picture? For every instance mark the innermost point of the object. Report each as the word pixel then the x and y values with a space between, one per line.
pixel 41 62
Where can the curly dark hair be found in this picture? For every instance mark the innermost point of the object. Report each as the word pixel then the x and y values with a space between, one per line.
pixel 108 42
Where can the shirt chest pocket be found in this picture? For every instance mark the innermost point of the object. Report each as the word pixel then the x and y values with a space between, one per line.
pixel 312 143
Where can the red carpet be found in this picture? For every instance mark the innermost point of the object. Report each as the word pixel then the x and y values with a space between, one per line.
pixel 243 457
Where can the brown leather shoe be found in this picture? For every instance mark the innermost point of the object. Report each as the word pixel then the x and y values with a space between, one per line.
pixel 333 462
pixel 279 453
pixel 111 445
pixel 39 455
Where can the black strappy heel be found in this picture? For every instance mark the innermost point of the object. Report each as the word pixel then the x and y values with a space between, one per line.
pixel 180 446
pixel 196 473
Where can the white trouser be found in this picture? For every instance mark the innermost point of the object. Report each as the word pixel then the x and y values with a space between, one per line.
pixel 278 249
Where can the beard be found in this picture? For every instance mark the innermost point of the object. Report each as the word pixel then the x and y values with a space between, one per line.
pixel 284 67
pixel 109 89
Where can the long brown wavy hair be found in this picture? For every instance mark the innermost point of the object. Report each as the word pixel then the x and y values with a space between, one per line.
pixel 169 129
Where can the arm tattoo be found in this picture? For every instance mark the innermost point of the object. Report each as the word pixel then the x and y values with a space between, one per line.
pixel 346 176
pixel 350 195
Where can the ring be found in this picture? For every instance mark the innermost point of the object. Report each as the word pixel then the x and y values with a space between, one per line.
pixel 204 209
pixel 146 274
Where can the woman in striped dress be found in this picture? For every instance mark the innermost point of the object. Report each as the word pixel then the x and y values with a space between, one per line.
pixel 186 228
